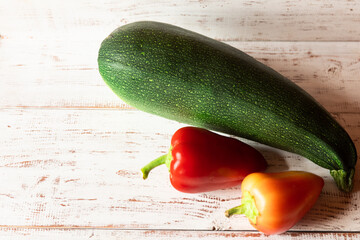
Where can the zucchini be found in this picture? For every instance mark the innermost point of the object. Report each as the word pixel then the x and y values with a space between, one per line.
pixel 184 76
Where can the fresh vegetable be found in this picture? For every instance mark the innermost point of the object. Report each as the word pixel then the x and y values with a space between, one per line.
pixel 184 76
pixel 275 202
pixel 201 161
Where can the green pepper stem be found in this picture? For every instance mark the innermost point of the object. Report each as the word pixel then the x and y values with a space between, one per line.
pixel 235 210
pixel 153 164
pixel 247 207
pixel 164 159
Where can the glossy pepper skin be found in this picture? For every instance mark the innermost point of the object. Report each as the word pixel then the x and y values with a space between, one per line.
pixel 275 202
pixel 200 161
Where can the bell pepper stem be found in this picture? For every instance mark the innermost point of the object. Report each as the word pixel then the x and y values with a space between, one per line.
pixel 235 210
pixel 164 159
pixel 153 164
pixel 247 207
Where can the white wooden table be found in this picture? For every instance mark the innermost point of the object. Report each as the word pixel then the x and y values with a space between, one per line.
pixel 71 151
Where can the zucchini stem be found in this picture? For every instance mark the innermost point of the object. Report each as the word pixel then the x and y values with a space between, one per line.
pixel 344 179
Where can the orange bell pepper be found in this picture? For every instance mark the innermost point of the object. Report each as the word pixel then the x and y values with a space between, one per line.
pixel 275 202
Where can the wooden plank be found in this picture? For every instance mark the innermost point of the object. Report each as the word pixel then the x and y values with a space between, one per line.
pixel 70 166
pixel 80 169
pixel 54 63
pixel 230 20
pixel 52 77
pixel 112 234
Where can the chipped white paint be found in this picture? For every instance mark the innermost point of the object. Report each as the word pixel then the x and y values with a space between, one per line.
pixel 114 234
pixel 70 150
pixel 74 82
pixel 82 168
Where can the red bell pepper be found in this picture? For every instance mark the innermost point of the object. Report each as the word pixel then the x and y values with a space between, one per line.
pixel 275 202
pixel 200 160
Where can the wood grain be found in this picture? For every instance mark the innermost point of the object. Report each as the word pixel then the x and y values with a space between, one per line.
pixel 328 71
pixel 112 234
pixel 81 168
pixel 54 64
pixel 226 20
pixel 70 150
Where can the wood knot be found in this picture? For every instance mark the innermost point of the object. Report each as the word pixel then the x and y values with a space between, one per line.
pixel 332 70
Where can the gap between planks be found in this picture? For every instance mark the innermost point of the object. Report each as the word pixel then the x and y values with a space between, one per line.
pixel 100 233
pixel 60 227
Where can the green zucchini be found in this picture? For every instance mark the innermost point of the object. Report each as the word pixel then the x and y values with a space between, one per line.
pixel 184 76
